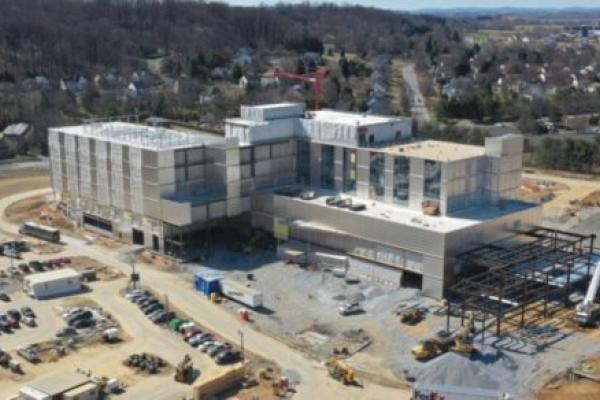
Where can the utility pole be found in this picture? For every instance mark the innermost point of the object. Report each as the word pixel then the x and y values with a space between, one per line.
pixel 241 343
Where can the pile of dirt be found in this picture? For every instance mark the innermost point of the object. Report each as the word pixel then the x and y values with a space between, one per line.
pixel 540 191
pixel 103 271
pixel 592 199
pixel 38 209
pixel 157 260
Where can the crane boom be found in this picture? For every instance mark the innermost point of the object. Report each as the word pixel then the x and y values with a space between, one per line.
pixel 585 310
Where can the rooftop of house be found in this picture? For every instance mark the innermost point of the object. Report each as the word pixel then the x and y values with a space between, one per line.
pixel 436 150
pixel 16 129
pixel 142 136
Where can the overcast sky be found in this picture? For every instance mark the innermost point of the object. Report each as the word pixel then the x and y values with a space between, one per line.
pixel 420 4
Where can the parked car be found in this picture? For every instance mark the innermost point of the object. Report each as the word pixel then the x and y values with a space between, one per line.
pixel 24 268
pixel 84 323
pixel 216 350
pixel 204 346
pixel 86 314
pixel 227 356
pixel 207 338
pixel 135 294
pixel 194 340
pixel 139 299
pixel 14 314
pixel 4 297
pixel 29 321
pixel 5 326
pixel 350 309
pixel 146 301
pixel 163 317
pixel 66 332
pixel 36 265
pixel 153 307
pixel 71 311
pixel 191 333
pixel 27 312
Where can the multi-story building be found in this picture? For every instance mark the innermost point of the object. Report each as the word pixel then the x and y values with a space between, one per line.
pixel 417 203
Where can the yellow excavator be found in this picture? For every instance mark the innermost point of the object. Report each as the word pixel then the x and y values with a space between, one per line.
pixel 340 371
pixel 461 342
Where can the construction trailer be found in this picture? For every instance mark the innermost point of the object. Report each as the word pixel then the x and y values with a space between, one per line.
pixel 519 276
pixel 430 391
pixel 52 283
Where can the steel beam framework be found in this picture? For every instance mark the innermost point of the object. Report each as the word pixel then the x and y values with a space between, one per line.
pixel 513 275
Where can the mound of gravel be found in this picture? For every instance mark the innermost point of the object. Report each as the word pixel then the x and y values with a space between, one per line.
pixel 456 370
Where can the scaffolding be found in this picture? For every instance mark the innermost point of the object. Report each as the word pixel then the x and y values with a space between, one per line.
pixel 512 276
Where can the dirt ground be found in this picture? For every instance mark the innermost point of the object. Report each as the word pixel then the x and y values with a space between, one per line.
pixel 39 210
pixel 12 182
pixel 572 388
pixel 104 272
pixel 540 190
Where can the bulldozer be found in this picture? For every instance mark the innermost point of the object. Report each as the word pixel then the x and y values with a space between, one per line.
pixel 340 371
pixel 185 370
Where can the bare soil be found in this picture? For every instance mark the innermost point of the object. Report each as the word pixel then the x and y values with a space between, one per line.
pixel 13 182
pixel 574 389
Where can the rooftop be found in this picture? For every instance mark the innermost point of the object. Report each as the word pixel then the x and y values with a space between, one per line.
pixel 406 216
pixel 56 274
pixel 145 137
pixel 349 118
pixel 54 385
pixel 436 150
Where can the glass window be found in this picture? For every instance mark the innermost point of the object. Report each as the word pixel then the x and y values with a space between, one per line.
pixel 377 176
pixel 401 179
pixel 327 167
pixel 349 171
pixel 433 180
pixel 303 156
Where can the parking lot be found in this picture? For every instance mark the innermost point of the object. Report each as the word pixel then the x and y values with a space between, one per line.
pixel 108 360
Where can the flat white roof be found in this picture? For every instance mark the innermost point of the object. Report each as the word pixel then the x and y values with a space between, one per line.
pixel 349 118
pixel 436 150
pixel 142 136
pixel 54 384
pixel 406 216
pixel 51 275
pixel 274 106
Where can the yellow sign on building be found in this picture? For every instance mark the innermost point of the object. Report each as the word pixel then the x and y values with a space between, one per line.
pixel 281 230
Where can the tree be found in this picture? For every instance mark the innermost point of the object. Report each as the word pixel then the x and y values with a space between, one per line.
pixel 236 73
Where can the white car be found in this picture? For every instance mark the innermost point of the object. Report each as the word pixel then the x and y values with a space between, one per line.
pixel 28 321
pixel 135 293
pixel 204 346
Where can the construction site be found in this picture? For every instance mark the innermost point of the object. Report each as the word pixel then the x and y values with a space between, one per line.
pixel 305 255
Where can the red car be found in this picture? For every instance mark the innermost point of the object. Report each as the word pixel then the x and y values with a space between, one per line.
pixel 189 334
pixel 60 261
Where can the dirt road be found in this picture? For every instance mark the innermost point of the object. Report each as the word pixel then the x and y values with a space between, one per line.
pixel 578 189
pixel 314 380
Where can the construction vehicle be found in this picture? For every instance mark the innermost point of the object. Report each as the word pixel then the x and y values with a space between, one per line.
pixel 185 370
pixel 412 317
pixel 586 312
pixel 340 371
pixel 461 342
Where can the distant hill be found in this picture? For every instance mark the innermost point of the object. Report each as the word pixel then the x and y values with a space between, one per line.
pixel 565 14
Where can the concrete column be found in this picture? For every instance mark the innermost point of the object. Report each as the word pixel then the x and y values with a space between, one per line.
pixel 417 167
pixel 362 178
pixel 339 168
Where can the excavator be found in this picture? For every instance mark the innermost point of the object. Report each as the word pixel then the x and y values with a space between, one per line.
pixel 586 312
pixel 185 370
pixel 340 371
pixel 461 342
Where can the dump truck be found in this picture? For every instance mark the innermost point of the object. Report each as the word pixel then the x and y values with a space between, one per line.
pixel 340 371
pixel 185 370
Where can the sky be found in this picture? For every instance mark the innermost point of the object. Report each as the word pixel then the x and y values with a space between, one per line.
pixel 421 4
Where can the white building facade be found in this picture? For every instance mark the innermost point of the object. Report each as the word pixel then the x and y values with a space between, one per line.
pixel 424 201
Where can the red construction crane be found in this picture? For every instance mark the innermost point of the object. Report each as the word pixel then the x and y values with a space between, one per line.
pixel 315 78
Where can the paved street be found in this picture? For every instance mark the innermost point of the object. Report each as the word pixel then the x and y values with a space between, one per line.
pixel 417 101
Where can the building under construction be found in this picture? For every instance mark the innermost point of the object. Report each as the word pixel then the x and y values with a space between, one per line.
pixel 402 210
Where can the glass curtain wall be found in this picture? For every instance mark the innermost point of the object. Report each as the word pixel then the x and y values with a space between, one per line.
pixel 377 176
pixel 401 180
pixel 303 157
pixel 327 167
pixel 349 171
pixel 433 180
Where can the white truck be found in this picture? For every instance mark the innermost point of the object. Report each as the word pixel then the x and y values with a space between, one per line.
pixel 241 293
